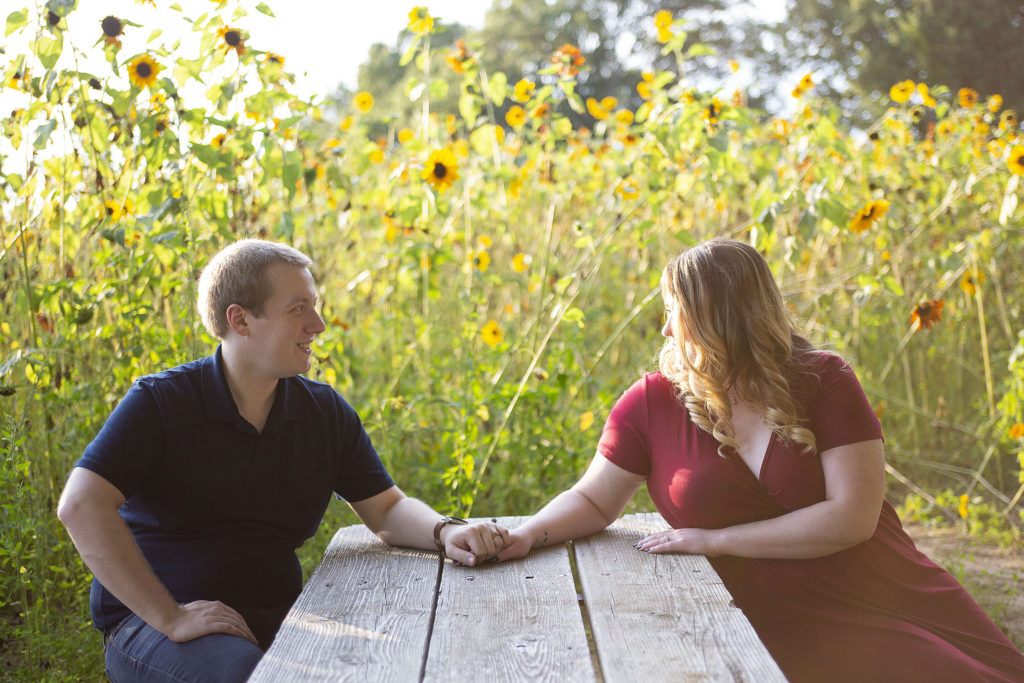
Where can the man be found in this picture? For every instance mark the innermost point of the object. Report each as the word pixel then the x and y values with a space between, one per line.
pixel 189 504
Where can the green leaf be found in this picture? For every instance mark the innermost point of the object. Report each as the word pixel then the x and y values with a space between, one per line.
pixel 409 54
pixel 262 7
pixel 48 50
pixel 469 108
pixel 43 133
pixel 438 89
pixel 497 88
pixel 833 211
pixel 16 20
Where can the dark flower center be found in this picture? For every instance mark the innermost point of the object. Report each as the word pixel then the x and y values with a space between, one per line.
pixel 143 70
pixel 52 18
pixel 440 171
pixel 111 26
pixel 94 83
pixel 233 38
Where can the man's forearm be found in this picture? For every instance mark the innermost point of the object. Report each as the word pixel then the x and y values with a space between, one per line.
pixel 109 550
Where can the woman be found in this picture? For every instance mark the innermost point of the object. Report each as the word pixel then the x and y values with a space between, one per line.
pixel 764 454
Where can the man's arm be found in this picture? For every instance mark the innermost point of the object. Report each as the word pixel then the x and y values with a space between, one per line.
pixel 88 508
pixel 403 521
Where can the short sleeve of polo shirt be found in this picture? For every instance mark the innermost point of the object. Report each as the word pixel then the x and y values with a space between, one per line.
pixel 624 439
pixel 127 449
pixel 840 412
pixel 363 474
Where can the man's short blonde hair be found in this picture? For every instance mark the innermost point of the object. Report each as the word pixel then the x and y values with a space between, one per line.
pixel 237 275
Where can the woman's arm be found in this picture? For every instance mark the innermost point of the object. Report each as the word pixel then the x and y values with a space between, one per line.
pixel 854 488
pixel 594 502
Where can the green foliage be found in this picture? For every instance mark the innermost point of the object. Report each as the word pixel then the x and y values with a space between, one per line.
pixel 490 277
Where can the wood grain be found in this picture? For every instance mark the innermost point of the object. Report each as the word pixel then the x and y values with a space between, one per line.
pixel 516 621
pixel 364 615
pixel 664 617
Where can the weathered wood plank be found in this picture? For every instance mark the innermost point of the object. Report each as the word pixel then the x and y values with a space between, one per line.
pixel 664 617
pixel 364 615
pixel 517 621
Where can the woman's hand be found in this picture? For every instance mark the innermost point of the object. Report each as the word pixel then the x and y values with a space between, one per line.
pixel 690 541
pixel 519 545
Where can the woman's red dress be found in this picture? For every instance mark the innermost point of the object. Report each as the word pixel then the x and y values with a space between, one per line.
pixel 879 611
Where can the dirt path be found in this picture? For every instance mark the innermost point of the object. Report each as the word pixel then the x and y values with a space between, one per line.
pixel 992 575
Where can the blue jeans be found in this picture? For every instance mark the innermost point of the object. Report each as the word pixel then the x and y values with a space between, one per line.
pixel 136 651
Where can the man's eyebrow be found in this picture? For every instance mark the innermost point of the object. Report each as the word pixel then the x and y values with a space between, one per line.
pixel 302 299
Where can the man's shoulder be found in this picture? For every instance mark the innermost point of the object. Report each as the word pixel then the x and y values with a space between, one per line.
pixel 184 374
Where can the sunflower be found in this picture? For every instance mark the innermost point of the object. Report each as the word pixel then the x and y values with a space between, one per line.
pixel 870 213
pixel 805 84
pixel 491 333
pixel 1016 160
pixel 1008 119
pixel 420 21
pixel 273 60
pixel 568 59
pixel 112 27
pixel 663 22
pixel 442 169
pixel 363 101
pixel 926 313
pixel 712 112
pixel 968 97
pixel 233 39
pixel 520 262
pixel 643 88
pixel 970 281
pixel 516 116
pixel 112 210
pixel 627 190
pixel 460 59
pixel 995 103
pixel 926 97
pixel 902 91
pixel 596 110
pixel 482 260
pixel 142 71
pixel 1017 431
pixel 523 90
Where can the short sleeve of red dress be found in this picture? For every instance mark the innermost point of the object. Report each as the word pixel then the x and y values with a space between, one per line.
pixel 839 411
pixel 624 440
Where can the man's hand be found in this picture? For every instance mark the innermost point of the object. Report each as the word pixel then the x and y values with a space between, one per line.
pixel 203 617
pixel 473 543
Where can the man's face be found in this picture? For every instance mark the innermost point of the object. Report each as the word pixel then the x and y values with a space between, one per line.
pixel 281 339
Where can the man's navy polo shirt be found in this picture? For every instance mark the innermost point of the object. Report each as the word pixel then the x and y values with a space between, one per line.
pixel 217 507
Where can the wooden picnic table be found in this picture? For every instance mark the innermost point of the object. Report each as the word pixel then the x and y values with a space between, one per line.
pixel 592 610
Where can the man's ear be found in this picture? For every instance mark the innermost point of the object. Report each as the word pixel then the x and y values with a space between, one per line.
pixel 238 320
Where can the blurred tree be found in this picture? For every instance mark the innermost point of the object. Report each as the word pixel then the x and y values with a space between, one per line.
pixel 617 37
pixel 860 48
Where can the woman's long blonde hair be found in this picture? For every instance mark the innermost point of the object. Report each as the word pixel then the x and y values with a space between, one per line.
pixel 731 332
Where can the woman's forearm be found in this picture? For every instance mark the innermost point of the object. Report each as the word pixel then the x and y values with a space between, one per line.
pixel 568 516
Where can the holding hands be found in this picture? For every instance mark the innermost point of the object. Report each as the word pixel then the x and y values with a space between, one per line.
pixel 471 544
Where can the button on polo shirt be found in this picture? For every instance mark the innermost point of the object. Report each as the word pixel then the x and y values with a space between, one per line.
pixel 217 507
